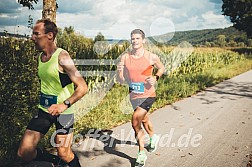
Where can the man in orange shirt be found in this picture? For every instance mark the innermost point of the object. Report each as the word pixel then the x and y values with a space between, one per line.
pixel 136 68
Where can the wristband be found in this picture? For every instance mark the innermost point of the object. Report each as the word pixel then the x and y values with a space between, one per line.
pixel 67 103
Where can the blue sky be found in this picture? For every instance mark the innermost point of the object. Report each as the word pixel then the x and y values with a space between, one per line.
pixel 116 18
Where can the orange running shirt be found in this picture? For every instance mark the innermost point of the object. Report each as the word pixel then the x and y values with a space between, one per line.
pixel 137 71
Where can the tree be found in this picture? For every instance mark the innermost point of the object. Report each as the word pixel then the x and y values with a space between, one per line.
pixel 49 7
pixel 28 3
pixel 99 37
pixel 69 30
pixel 249 43
pixel 49 10
pixel 232 43
pixel 240 13
pixel 30 22
pixel 221 40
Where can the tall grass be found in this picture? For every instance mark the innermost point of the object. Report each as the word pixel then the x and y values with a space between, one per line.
pixel 203 68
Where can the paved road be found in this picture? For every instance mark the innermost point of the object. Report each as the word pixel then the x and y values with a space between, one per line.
pixel 212 128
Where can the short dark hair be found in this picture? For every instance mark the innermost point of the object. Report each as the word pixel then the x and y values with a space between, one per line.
pixel 50 26
pixel 138 31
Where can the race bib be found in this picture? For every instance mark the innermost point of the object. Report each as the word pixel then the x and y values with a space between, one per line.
pixel 47 100
pixel 137 87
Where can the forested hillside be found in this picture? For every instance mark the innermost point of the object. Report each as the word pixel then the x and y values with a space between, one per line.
pixel 208 37
pixel 227 37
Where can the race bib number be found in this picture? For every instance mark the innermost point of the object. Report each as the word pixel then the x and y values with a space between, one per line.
pixel 47 100
pixel 137 87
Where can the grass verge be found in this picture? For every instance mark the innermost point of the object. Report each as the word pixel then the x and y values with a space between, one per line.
pixel 111 112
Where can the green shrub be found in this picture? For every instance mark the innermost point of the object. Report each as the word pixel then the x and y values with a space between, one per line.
pixel 19 93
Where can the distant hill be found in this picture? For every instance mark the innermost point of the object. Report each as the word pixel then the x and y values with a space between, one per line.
pixel 12 35
pixel 207 37
pixel 202 37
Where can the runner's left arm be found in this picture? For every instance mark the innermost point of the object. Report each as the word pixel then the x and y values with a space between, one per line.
pixel 66 64
pixel 157 64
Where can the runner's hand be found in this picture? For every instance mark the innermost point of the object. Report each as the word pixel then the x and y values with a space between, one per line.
pixel 56 109
pixel 151 80
pixel 120 66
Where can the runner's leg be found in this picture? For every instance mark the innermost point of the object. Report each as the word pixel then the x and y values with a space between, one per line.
pixel 64 150
pixel 137 119
pixel 148 125
pixel 27 148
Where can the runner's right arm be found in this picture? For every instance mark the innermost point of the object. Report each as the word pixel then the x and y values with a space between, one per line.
pixel 120 69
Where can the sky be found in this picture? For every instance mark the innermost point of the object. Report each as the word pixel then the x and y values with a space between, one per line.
pixel 116 18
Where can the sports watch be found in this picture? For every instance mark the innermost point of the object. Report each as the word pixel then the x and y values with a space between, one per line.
pixel 157 77
pixel 67 102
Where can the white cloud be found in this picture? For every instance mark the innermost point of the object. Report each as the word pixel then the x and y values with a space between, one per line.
pixel 114 18
pixel 209 15
pixel 211 20
pixel 5 16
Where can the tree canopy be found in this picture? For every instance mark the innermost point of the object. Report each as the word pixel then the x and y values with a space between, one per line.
pixel 99 37
pixel 28 3
pixel 240 13
pixel 49 7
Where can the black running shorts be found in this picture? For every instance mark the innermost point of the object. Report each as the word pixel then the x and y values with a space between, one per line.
pixel 43 121
pixel 144 103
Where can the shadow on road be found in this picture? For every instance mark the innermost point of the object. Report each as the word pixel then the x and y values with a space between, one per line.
pixel 228 90
pixel 110 147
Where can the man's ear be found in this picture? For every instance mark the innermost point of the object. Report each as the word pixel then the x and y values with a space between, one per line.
pixel 50 35
pixel 143 40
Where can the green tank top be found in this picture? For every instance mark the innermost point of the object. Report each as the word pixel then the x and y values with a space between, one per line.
pixel 56 86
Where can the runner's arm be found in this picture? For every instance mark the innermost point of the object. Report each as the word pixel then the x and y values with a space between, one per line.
pixel 158 64
pixel 120 69
pixel 66 64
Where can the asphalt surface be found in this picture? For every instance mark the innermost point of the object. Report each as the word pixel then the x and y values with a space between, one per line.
pixel 210 129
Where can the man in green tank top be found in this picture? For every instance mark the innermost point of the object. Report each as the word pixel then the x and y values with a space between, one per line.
pixel 58 76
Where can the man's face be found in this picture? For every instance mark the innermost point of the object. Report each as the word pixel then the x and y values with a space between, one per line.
pixel 39 37
pixel 137 41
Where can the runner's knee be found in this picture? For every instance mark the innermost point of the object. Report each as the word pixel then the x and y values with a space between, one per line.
pixel 136 124
pixel 25 154
pixel 145 120
pixel 64 153
pixel 20 153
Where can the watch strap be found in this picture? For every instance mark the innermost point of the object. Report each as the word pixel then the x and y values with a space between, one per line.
pixel 157 77
pixel 67 102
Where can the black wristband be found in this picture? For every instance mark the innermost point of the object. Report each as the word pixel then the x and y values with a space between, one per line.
pixel 67 102
pixel 157 77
